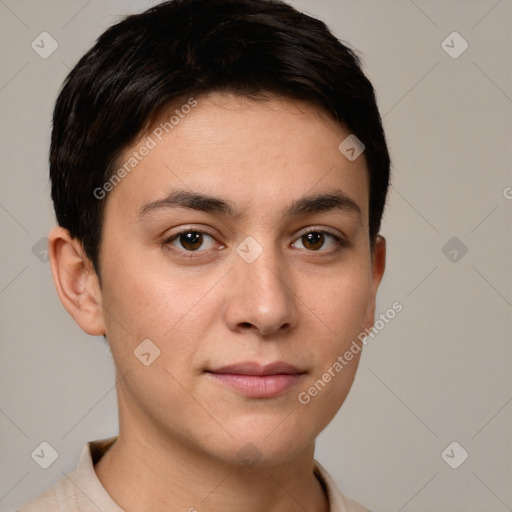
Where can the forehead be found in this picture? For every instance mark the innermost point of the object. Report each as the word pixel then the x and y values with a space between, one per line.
pixel 255 153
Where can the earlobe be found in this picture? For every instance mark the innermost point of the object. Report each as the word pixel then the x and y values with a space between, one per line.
pixel 76 282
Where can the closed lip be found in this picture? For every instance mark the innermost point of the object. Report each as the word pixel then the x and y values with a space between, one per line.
pixel 255 380
pixel 257 369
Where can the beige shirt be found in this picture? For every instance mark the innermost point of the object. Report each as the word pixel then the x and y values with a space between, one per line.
pixel 81 491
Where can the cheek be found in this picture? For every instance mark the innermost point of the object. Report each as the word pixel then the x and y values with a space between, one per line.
pixel 349 310
pixel 340 303
pixel 145 299
pixel 147 295
pixel 340 310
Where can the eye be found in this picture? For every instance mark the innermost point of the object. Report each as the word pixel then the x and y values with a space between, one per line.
pixel 318 241
pixel 191 241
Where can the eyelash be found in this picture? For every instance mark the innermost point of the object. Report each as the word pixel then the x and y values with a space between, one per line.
pixel 340 242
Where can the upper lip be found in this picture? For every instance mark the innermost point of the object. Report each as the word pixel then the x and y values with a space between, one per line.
pixel 253 368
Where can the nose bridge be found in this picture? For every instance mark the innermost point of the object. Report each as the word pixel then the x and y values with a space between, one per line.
pixel 266 276
pixel 261 294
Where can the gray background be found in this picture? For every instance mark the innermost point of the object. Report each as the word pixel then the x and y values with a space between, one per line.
pixel 441 371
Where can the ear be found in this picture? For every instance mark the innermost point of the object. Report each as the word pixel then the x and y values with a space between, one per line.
pixel 378 267
pixel 76 281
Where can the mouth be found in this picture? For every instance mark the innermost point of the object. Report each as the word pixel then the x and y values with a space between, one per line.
pixel 258 381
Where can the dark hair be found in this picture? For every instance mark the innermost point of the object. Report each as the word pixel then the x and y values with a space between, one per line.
pixel 180 49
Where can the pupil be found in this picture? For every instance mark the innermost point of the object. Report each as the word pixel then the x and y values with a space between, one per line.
pixel 313 240
pixel 192 240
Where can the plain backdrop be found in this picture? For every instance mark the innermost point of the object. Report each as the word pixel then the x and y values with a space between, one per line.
pixel 439 372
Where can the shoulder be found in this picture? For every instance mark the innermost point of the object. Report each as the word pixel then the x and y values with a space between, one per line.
pixel 46 502
pixel 79 490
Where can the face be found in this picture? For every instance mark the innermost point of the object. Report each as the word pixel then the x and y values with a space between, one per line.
pixel 239 247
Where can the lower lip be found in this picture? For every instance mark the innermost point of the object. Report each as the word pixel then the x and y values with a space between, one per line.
pixel 258 386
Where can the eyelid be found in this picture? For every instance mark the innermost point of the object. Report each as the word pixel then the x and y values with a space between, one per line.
pixel 321 229
pixel 168 239
pixel 188 229
pixel 339 238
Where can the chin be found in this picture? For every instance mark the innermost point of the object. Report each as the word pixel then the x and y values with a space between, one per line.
pixel 264 442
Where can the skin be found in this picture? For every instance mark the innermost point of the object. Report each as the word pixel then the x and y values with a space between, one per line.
pixel 303 303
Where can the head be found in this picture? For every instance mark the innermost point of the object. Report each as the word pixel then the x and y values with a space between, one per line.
pixel 204 204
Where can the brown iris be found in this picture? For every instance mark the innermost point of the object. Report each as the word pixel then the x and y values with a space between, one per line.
pixel 313 241
pixel 191 240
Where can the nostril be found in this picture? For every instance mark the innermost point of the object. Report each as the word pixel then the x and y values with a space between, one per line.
pixel 246 324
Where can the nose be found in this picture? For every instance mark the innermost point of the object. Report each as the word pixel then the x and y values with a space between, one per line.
pixel 261 297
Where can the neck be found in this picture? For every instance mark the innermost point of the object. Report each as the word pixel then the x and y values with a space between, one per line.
pixel 146 472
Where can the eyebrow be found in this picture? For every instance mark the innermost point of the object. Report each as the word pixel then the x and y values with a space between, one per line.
pixel 335 200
